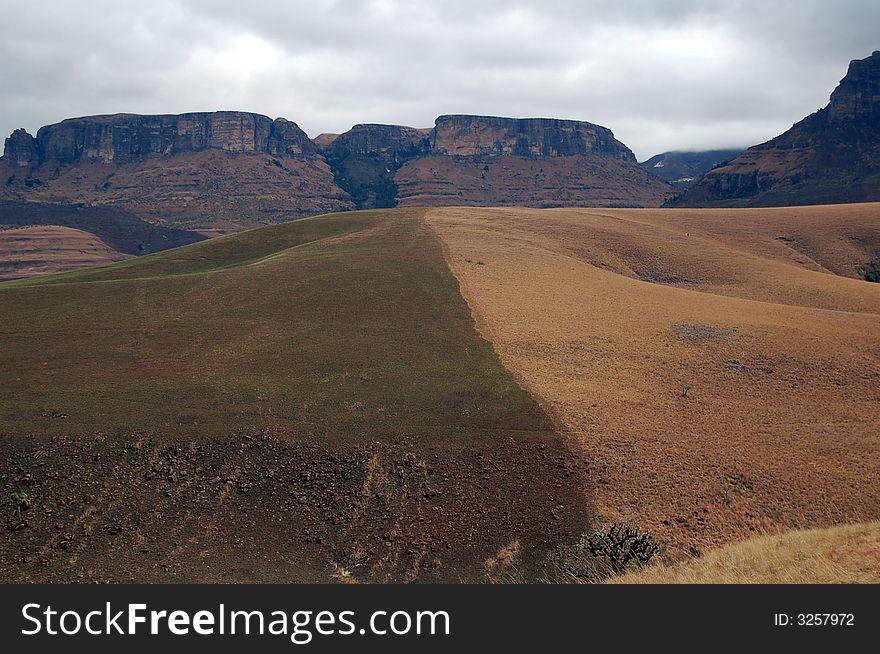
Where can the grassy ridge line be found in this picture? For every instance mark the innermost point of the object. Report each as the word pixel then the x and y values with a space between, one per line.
pixel 221 253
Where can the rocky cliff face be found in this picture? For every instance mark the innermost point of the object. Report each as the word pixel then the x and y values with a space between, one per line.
pixel 830 156
pixel 21 149
pixel 857 98
pixel 366 159
pixel 484 160
pixel 479 136
pixel 222 170
pixel 126 138
pixel 392 143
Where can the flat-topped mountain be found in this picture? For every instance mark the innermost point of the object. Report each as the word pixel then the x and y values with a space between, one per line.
pixel 470 136
pixel 831 156
pixel 125 138
pixel 486 160
pixel 221 170
pixel 230 170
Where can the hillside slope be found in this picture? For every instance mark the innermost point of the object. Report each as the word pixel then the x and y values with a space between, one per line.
pixel 100 234
pixel 831 156
pixel 303 402
pixel 718 367
pixel 29 251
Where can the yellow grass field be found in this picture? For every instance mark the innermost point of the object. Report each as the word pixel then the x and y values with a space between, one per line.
pixel 843 554
pixel 719 368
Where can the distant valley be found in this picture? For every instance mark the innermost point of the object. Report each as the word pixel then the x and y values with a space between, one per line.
pixel 682 170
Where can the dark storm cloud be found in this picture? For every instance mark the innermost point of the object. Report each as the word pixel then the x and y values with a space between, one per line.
pixel 662 75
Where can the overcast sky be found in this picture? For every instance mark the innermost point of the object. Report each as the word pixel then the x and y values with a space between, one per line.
pixel 662 75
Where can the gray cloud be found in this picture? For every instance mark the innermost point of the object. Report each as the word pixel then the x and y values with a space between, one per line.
pixel 663 75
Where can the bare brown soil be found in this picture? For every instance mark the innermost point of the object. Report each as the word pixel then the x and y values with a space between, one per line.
pixel 264 507
pixel 718 367
pixel 28 251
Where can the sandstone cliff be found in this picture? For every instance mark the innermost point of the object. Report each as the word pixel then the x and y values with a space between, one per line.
pixel 831 156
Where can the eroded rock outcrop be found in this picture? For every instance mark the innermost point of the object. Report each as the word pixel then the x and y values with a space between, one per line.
pixel 366 159
pixel 21 149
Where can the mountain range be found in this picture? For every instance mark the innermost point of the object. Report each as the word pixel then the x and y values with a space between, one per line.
pixel 231 170
pixel 120 185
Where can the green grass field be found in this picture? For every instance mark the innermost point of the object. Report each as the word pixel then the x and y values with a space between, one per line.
pixel 343 333
pixel 336 325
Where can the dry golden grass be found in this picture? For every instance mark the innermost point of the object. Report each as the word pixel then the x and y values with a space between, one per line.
pixel 836 555
pixel 607 314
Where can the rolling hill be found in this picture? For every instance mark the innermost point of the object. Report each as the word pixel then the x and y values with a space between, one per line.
pixel 303 402
pixel 716 366
pixel 36 239
pixel 427 394
pixel 29 251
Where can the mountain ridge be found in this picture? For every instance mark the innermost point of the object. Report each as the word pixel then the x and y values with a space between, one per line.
pixel 831 156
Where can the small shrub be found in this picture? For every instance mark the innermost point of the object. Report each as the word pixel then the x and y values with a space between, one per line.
pixel 610 551
pixel 623 546
pixel 685 389
pixel 21 502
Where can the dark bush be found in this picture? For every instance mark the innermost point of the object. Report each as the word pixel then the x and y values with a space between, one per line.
pixel 623 547
pixel 871 272
pixel 614 550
